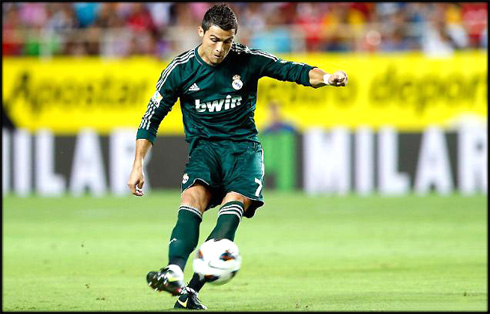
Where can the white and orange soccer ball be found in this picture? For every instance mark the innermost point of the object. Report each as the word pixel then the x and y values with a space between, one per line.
pixel 217 261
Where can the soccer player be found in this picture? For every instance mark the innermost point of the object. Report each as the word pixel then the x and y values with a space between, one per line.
pixel 217 86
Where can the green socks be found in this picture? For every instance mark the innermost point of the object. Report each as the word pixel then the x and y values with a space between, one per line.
pixel 185 235
pixel 229 217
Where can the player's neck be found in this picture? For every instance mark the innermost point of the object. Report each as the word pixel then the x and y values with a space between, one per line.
pixel 203 57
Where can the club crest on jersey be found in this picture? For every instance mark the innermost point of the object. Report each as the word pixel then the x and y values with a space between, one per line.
pixel 237 83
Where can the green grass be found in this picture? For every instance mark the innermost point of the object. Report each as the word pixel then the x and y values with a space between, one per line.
pixel 299 253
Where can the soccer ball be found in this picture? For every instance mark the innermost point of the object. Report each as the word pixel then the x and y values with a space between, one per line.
pixel 217 261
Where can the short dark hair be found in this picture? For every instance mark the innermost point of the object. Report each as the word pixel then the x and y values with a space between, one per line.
pixel 220 15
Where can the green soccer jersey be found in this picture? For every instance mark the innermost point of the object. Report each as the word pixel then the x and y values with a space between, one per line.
pixel 217 102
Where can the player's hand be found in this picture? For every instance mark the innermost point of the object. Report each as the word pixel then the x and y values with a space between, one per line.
pixel 338 78
pixel 136 181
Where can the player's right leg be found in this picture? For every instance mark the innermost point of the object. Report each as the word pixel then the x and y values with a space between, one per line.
pixel 183 240
pixel 243 183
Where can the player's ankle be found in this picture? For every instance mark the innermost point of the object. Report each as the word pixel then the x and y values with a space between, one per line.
pixel 175 268
pixel 196 283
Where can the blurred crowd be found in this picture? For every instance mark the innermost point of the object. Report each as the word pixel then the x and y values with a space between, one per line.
pixel 163 29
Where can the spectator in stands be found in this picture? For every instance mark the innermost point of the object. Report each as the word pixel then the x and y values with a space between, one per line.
pixel 86 12
pixel 309 19
pixel 333 28
pixel 484 39
pixel 475 21
pixel 395 41
pixel 12 28
pixel 37 28
pixel 277 123
pixel 437 41
pixel 275 37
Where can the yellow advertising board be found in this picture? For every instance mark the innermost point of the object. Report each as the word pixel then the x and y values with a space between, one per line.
pixel 405 90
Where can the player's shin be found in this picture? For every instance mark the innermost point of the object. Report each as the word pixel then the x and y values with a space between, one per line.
pixel 229 218
pixel 185 235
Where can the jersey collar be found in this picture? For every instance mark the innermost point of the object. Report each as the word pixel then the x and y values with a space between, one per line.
pixel 201 61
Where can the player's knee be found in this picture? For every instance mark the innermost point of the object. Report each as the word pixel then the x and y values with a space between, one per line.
pixel 192 199
pixel 233 196
pixel 197 197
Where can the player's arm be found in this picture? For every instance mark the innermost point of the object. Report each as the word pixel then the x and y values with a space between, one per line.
pixel 145 137
pixel 158 107
pixel 137 178
pixel 319 78
pixel 301 73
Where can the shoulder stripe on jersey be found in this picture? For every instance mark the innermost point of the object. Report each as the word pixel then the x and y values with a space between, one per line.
pixel 168 66
pixel 254 52
pixel 172 65
pixel 179 60
pixel 264 54
pixel 240 48
pixel 145 124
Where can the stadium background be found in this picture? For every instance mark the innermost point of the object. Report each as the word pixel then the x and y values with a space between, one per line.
pixel 77 78
pixel 81 74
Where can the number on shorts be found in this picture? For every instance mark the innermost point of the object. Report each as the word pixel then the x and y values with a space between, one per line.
pixel 259 188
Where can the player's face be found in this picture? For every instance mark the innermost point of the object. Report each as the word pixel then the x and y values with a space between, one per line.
pixel 216 43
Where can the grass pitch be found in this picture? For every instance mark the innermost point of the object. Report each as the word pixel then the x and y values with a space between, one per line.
pixel 300 253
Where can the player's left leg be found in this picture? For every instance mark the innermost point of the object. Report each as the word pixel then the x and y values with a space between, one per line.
pixel 197 185
pixel 184 238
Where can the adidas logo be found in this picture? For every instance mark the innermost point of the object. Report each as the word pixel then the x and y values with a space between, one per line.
pixel 194 88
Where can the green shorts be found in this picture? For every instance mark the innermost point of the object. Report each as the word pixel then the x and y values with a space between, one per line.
pixel 227 166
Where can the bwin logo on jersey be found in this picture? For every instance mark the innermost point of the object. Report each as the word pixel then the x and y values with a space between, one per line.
pixel 219 105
